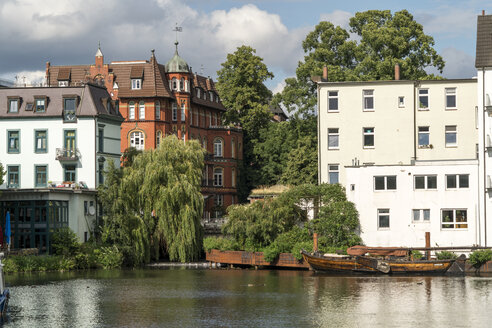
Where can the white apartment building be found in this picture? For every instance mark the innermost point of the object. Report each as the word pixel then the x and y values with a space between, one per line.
pixel 54 146
pixel 406 151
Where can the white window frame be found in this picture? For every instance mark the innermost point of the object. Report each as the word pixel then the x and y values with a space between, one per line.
pixel 174 112
pixel 218 147
pixel 366 95
pixel 385 181
pixel 219 200
pixel 157 110
pixel 454 223
pixel 457 181
pixel 401 101
pixel 451 92
pixel 419 215
pixel 233 148
pixel 218 177
pixel 451 130
pixel 174 84
pixel 131 110
pixel 426 181
pixel 233 177
pixel 183 116
pixel 137 140
pixel 12 108
pixel 383 212
pixel 424 93
pixel 368 133
pixel 141 110
pixel 333 95
pixel 63 83
pixel 333 169
pixel 158 138
pixel 424 130
pixel 334 134
pixel 136 84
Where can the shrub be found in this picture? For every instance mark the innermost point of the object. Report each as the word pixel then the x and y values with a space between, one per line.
pixel 64 242
pixel 417 255
pixel 477 258
pixel 220 243
pixel 108 257
pixel 446 255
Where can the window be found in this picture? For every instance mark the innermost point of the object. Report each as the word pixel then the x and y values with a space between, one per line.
pixel 141 110
pixel 198 92
pixel 136 84
pixel 233 177
pixel 137 140
pixel 63 83
pixel 209 118
pixel 158 139
pixel 218 174
pixel 218 147
pixel 13 179
pixel 13 142
pixel 101 140
pixel 41 141
pixel 423 136
pixel 333 173
pixel 40 172
pixel 368 99
pixel 368 137
pixel 401 102
pixel 69 139
pixel 233 148
pixel 101 173
pixel 450 98
pixel 13 106
pixel 423 99
pixel 383 218
pixel 40 105
pixel 425 182
pixel 451 136
pixel 219 200
pixel 181 84
pixel 157 110
pixel 204 143
pixel 454 219
pixel 69 107
pixel 131 110
pixel 333 138
pixel 174 84
pixel 385 182
pixel 174 112
pixel 333 101
pixel 183 112
pixel 421 215
pixel 69 173
pixel 454 181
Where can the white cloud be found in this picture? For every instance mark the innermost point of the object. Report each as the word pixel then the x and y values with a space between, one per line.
pixel 27 78
pixel 338 18
pixel 458 64
pixel 449 22
pixel 279 87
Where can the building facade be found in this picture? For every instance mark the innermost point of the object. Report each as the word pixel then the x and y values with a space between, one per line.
pixel 407 154
pixel 54 145
pixel 159 100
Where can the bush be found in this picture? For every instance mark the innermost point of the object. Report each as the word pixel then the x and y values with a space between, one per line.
pixel 220 243
pixel 477 258
pixel 417 255
pixel 108 257
pixel 64 242
pixel 446 255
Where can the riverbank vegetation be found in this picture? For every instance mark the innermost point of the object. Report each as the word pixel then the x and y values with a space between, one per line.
pixel 280 224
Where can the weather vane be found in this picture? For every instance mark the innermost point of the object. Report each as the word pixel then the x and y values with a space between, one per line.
pixel 177 29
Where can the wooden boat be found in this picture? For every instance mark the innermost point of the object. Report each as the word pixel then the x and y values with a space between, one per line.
pixel 350 264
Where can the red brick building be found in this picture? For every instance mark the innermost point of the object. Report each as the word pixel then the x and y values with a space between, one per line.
pixel 158 100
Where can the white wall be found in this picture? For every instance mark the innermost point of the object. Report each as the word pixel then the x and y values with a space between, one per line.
pixel 403 231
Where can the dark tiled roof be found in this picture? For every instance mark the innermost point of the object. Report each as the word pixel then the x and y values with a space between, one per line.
pixel 484 41
pixel 64 74
pixel 136 72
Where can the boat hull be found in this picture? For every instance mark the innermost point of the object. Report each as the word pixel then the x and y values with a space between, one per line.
pixel 351 265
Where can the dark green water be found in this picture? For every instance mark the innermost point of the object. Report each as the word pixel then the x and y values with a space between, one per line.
pixel 245 298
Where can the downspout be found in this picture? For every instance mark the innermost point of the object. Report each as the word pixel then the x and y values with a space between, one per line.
pixel 415 86
pixel 319 141
pixel 484 161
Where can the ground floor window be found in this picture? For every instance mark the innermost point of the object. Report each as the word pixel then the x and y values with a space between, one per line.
pixel 421 215
pixel 333 173
pixel 383 218
pixel 454 219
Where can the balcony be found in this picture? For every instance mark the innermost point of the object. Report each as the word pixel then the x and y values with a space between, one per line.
pixel 67 155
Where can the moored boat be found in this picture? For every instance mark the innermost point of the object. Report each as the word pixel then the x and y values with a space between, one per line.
pixel 367 264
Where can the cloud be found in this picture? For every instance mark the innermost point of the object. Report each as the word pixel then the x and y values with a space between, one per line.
pixel 458 64
pixel 338 18
pixel 279 87
pixel 449 22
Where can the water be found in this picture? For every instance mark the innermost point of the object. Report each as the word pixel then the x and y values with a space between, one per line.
pixel 245 298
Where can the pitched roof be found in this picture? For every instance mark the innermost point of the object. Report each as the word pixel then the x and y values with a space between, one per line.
pixel 484 41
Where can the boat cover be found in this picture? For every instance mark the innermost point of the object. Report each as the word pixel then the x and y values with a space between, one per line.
pixel 359 250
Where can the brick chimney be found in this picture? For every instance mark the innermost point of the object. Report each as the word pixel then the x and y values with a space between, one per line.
pixel 397 72
pixel 325 73
pixel 483 12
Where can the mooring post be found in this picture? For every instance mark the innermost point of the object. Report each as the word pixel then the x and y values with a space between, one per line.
pixel 315 242
pixel 427 244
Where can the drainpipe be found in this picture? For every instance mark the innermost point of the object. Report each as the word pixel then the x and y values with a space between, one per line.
pixel 484 162
pixel 415 86
pixel 319 140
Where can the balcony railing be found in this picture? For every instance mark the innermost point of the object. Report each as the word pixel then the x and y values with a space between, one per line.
pixel 67 154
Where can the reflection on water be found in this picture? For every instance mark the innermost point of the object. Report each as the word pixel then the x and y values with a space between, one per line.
pixel 245 298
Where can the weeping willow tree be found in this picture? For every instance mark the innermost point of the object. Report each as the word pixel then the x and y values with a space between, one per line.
pixel 154 205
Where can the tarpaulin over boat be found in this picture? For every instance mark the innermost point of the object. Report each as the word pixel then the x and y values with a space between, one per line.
pixel 359 250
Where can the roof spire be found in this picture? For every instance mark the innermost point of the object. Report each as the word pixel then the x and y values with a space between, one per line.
pixel 99 52
pixel 177 29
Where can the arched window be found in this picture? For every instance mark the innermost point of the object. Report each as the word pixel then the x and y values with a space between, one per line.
pixel 204 143
pixel 158 139
pixel 181 84
pixel 233 177
pixel 137 140
pixel 175 111
pixel 174 83
pixel 131 110
pixel 218 146
pixel 187 86
pixel 141 110
pixel 233 148
pixel 183 112
pixel 218 175
pixel 157 110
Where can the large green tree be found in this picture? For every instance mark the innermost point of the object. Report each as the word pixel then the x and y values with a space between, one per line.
pixel 240 83
pixel 154 205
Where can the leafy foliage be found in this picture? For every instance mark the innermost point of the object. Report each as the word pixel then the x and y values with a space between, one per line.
pixel 417 255
pixel 2 173
pixel 64 242
pixel 446 255
pixel 477 258
pixel 154 206
pixel 220 243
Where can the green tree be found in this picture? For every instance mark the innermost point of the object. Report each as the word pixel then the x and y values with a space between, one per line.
pixel 155 205
pixel 240 84
pixel 2 173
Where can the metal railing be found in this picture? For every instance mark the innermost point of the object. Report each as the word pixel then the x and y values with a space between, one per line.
pixel 67 154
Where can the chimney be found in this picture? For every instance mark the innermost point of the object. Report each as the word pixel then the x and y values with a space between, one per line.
pixel 483 12
pixel 397 72
pixel 325 73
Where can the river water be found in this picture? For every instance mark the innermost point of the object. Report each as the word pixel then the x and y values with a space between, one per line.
pixel 245 298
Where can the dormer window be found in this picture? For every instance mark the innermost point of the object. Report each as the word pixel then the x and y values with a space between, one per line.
pixel 14 105
pixel 136 84
pixel 69 109
pixel 211 95
pixel 63 83
pixel 40 105
pixel 198 92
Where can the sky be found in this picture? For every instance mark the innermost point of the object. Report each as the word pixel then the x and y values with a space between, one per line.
pixel 33 32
